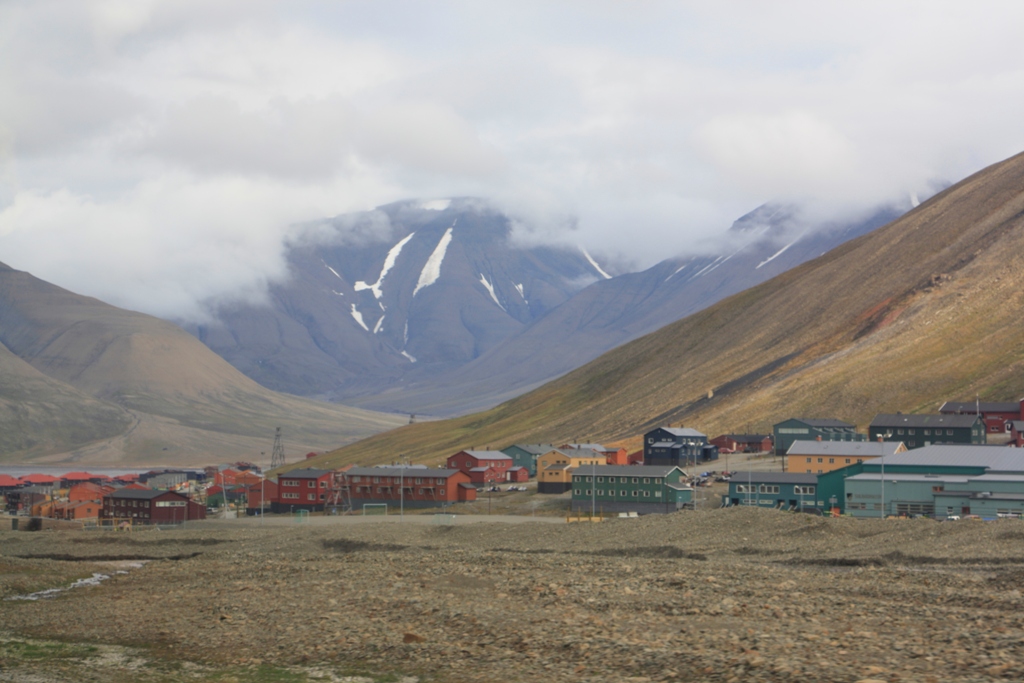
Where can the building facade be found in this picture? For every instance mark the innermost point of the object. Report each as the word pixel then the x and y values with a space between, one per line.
pixel 643 489
pixel 302 489
pixel 743 443
pixel 555 468
pixel 677 447
pixel 483 467
pixel 918 431
pixel 819 457
pixel 780 490
pixel 997 416
pixel 811 429
pixel 526 454
pixel 147 506
pixel 400 487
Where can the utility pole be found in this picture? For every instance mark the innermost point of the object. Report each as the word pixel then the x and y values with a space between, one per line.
pixel 277 455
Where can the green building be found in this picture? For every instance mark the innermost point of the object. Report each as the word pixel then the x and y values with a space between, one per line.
pixel 800 429
pixel 857 489
pixel 780 490
pixel 526 454
pixel 917 431
pixel 643 489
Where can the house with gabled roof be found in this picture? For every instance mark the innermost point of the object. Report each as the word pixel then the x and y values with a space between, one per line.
pixel 677 446
pixel 483 467
pixel 997 415
pixel 555 468
pixel 526 454
pixel 302 489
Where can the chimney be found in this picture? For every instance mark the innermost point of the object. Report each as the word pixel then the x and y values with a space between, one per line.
pixel 880 439
pixel 819 437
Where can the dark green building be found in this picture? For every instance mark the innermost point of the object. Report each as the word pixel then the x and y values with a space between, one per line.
pixel 643 489
pixel 917 431
pixel 780 490
pixel 526 454
pixel 802 429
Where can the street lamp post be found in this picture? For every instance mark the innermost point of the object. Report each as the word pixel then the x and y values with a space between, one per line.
pixel 593 488
pixel 401 490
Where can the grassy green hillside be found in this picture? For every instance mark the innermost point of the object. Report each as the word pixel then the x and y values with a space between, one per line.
pixel 922 310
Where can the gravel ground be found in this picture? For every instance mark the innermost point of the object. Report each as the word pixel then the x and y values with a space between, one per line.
pixel 717 595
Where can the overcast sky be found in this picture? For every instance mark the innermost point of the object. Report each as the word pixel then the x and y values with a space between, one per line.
pixel 153 153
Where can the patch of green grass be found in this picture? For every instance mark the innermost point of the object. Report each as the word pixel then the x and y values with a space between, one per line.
pixel 33 651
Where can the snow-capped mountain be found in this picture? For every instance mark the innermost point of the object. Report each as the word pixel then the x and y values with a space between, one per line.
pixel 447 315
pixel 363 316
pixel 610 312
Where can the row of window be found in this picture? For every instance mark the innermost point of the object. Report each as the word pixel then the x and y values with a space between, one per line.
pixel 171 503
pixel 622 480
pixel 832 461
pixel 764 488
pixel 395 480
pixel 622 494
pixel 927 432
pixel 310 484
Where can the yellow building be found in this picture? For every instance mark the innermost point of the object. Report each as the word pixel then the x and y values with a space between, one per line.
pixel 819 457
pixel 555 468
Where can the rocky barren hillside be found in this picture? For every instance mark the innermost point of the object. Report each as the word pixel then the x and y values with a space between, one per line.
pixel 86 381
pixel 922 310
pixel 723 595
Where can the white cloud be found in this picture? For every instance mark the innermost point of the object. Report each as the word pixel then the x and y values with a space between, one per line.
pixel 154 152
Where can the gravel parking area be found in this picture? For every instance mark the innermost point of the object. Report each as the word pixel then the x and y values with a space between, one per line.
pixel 716 595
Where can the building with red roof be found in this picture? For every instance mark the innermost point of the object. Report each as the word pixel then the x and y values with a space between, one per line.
pixel 39 479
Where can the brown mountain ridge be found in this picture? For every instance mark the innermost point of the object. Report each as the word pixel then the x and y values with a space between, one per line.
pixel 924 309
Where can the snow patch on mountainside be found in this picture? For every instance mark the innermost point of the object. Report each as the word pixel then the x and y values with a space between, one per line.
pixel 359 318
pixel 436 204
pixel 605 275
pixel 490 290
pixel 432 268
pixel 331 269
pixel 376 328
pixel 519 288
pixel 389 263
pixel 779 253
pixel 411 359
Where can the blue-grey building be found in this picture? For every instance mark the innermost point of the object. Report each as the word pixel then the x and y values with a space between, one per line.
pixel 677 447
pixel 779 490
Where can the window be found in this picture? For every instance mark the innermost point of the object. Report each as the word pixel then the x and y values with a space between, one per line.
pixel 636 480
pixel 899 431
pixel 820 460
pixel 419 480
pixel 635 493
pixel 440 492
pixel 657 494
pixel 378 489
pixel 310 484
pixel 376 480
pixel 803 490
pixel 847 461
pixel 741 488
pixel 322 496
pixel 938 488
pixel 576 479
pixel 793 430
pixel 589 479
pixel 928 432
pixel 421 492
pixel 623 479
pixel 859 460
pixel 768 488
pixel 290 496
pixel 294 482
pixel 440 482
pixel 949 432
pixel 600 480
pixel 576 492
pixel 911 443
pixel 311 496
pixel 910 431
pixel 647 480
pixel 647 494
pixel 170 503
pixel 831 461
pixel 623 493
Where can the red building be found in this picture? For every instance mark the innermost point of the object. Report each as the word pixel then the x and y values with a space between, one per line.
pixel 303 489
pixel 616 456
pixel 518 474
pixel 413 487
pixel 636 458
pixel 150 507
pixel 257 493
pixel 743 443
pixel 477 463
pixel 88 491
pixel 997 416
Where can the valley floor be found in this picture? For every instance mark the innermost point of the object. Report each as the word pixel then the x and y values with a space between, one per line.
pixel 716 595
